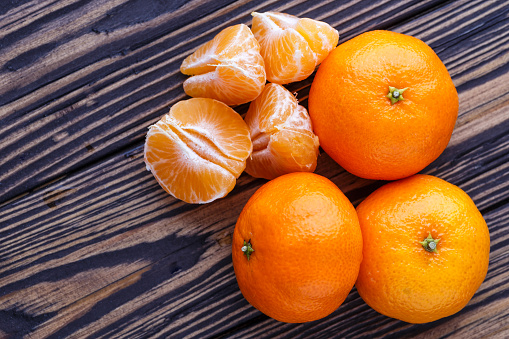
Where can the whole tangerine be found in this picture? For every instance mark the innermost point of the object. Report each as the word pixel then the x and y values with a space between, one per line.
pixel 383 105
pixel 426 249
pixel 297 248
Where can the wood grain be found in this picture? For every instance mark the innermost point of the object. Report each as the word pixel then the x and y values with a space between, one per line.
pixel 103 251
pixel 82 79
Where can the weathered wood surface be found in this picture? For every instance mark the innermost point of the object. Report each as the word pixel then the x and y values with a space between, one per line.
pixel 90 245
pixel 83 79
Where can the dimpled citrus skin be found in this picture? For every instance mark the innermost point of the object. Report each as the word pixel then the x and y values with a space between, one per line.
pixel 398 277
pixel 307 248
pixel 357 124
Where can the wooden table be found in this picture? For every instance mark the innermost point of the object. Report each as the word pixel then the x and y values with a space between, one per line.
pixel 91 246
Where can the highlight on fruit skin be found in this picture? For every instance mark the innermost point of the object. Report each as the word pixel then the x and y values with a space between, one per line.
pixel 426 249
pixel 297 248
pixel 228 68
pixel 383 105
pixel 198 150
pixel 292 47
pixel 282 135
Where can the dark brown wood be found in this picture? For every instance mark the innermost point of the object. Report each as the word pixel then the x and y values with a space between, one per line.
pixel 92 246
pixel 83 79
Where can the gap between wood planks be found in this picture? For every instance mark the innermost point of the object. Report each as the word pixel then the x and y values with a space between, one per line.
pixel 466 160
pixel 76 161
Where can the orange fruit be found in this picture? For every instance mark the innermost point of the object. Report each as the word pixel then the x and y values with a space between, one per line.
pixel 292 47
pixel 198 150
pixel 361 128
pixel 229 68
pixel 426 249
pixel 297 248
pixel 282 135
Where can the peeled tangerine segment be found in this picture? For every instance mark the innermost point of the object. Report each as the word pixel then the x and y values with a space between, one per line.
pixel 229 68
pixel 198 150
pixel 282 135
pixel 292 47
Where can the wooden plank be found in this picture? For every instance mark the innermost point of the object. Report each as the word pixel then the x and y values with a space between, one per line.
pixel 112 254
pixel 203 292
pixel 84 78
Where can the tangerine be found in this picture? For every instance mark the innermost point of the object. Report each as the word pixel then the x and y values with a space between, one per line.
pixel 198 150
pixel 292 47
pixel 383 105
pixel 229 68
pixel 426 249
pixel 297 248
pixel 282 135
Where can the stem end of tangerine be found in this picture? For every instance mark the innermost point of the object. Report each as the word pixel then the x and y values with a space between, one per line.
pixel 395 94
pixel 430 244
pixel 247 249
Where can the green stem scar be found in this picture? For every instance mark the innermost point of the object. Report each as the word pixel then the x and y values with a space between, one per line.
pixel 396 94
pixel 430 244
pixel 247 249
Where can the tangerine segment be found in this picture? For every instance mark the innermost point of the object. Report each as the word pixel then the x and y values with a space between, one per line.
pixel 292 47
pixel 282 135
pixel 198 150
pixel 228 68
